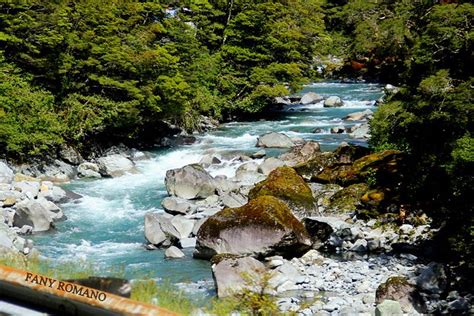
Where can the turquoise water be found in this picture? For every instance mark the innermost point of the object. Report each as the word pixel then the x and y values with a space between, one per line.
pixel 106 226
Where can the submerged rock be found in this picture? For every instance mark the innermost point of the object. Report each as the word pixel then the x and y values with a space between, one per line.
pixel 274 140
pixel 262 227
pixel 285 184
pixel 174 252
pixel 190 182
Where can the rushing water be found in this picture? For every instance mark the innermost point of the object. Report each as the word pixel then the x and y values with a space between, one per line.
pixel 106 226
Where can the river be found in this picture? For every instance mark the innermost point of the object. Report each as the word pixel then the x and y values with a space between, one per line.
pixel 105 227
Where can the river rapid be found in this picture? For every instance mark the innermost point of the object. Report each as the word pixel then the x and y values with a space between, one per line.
pixel 105 226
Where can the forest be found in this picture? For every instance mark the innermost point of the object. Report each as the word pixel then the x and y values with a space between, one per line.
pixel 75 72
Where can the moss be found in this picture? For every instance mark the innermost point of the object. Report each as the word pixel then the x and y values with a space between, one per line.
pixel 310 169
pixel 348 198
pixel 373 197
pixel 287 185
pixel 223 256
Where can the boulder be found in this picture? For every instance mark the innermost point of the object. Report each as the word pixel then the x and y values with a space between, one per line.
pixel 88 170
pixel 190 182
pixel 29 188
pixel 209 159
pixel 54 194
pixel 397 288
pixel 263 227
pixel 175 205
pixel 270 164
pixel 318 230
pixel 33 213
pixel 187 242
pixel 360 131
pixel 183 226
pixel 311 98
pixel 174 253
pixel 274 140
pixel 285 184
pixel 338 129
pixel 55 212
pixel 359 116
pixel 282 100
pixel 347 199
pixel 70 155
pixel 6 174
pixel 333 102
pixel 259 154
pixel 115 165
pixel 433 279
pixel 234 275
pixel 388 308
pixel 301 154
pixel 232 199
pixel 153 232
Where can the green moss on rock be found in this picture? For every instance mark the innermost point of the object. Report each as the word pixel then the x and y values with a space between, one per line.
pixel 285 184
pixel 348 199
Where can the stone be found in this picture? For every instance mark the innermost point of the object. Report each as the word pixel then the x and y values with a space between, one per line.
pixel 248 166
pixel 333 101
pixel 433 279
pixel 233 200
pixel 359 116
pixel 70 155
pixel 190 182
pixel 6 174
pixel 115 165
pixel 360 131
pixel 319 231
pixel 183 226
pixel 360 245
pixel 88 170
pixel 270 164
pixel 259 154
pixel 29 188
pixel 264 226
pixel 233 275
pixel 175 205
pixel 55 212
pixel 285 184
pixel 338 129
pixel 397 288
pixel 274 140
pixel 32 213
pixel 301 154
pixel 310 98
pixel 388 308
pixel 174 253
pixel 209 159
pixel 153 232
pixel 347 199
pixel 187 242
pixel 55 195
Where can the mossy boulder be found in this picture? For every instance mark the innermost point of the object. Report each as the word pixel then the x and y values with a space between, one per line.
pixel 382 167
pixel 285 184
pixel 348 199
pixel 262 227
pixel 310 169
pixel 397 288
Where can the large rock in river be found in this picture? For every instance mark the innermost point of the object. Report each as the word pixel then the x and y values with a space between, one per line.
pixel 190 182
pixel 274 140
pixel 263 227
pixel 6 174
pixel 285 184
pixel 333 101
pixel 310 98
pixel 33 213
pixel 115 165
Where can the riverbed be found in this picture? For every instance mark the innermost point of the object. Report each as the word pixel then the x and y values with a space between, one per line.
pixel 105 226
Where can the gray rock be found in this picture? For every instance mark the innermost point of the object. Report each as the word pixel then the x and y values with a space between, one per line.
pixel 183 226
pixel 248 166
pixel 174 205
pixel 360 131
pixel 359 116
pixel 70 155
pixel 388 308
pixel 187 242
pixel 270 164
pixel 197 225
pixel 190 182
pixel 29 188
pixel 54 194
pixel 115 165
pixel 6 174
pixel 333 101
pixel 360 245
pixel 209 159
pixel 54 211
pixel 274 140
pixel 33 213
pixel 233 275
pixel 153 232
pixel 174 253
pixel 224 185
pixel 88 170
pixel 232 199
pixel 259 154
pixel 301 154
pixel 338 129
pixel 311 98
pixel 433 279
pixel 248 177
